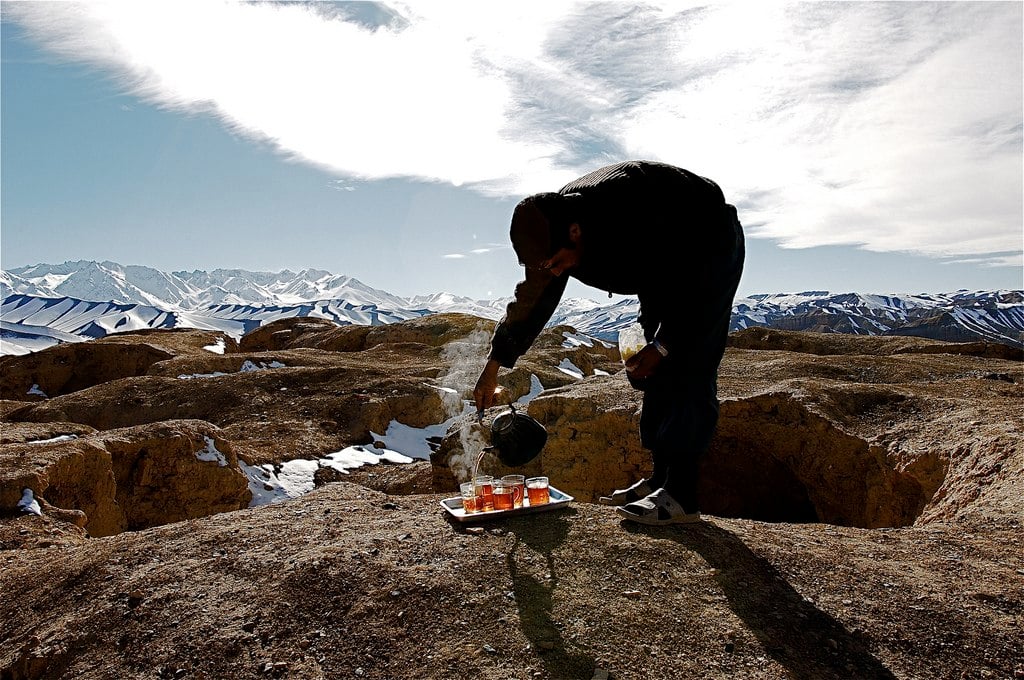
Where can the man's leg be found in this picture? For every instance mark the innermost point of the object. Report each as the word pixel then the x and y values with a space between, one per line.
pixel 684 438
pixel 680 409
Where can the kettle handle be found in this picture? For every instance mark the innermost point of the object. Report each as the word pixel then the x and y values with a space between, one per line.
pixel 480 413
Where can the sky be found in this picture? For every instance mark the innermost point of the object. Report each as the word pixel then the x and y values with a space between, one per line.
pixel 871 147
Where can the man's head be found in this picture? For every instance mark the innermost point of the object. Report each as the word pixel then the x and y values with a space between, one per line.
pixel 540 227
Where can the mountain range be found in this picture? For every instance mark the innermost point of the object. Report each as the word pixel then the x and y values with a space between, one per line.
pixel 46 304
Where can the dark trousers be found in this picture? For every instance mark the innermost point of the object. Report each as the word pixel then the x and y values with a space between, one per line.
pixel 680 405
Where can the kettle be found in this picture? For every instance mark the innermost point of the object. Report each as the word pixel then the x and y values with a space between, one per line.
pixel 516 437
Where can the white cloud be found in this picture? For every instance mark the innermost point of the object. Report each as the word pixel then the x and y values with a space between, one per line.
pixel 488 248
pixel 892 126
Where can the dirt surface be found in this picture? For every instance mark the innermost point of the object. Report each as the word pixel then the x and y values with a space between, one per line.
pixel 368 577
pixel 352 582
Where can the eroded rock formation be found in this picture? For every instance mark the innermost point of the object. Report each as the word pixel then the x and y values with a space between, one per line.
pixel 363 577
pixel 846 430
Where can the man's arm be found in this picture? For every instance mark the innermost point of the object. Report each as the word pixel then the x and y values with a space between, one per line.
pixel 486 386
pixel 535 301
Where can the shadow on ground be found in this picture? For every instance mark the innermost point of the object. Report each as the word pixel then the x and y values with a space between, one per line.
pixel 534 597
pixel 799 636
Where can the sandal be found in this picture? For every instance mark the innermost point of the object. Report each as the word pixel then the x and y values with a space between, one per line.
pixel 630 495
pixel 656 509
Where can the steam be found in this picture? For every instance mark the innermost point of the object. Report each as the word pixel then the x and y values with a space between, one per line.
pixel 465 359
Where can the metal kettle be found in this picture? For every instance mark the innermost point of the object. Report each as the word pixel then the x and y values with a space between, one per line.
pixel 516 437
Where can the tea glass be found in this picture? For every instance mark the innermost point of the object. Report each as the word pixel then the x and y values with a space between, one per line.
pixel 518 484
pixel 469 497
pixel 537 490
pixel 503 496
pixel 484 488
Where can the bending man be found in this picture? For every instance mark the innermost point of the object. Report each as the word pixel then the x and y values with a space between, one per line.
pixel 668 236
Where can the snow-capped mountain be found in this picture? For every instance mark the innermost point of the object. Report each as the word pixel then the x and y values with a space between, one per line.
pixel 996 316
pixel 47 304
pixel 86 280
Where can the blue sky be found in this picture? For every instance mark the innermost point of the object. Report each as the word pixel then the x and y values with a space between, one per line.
pixel 871 147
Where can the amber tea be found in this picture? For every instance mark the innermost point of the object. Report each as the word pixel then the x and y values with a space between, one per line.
pixel 504 498
pixel 518 484
pixel 537 490
pixel 484 488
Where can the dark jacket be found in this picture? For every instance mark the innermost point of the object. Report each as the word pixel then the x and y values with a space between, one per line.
pixel 647 229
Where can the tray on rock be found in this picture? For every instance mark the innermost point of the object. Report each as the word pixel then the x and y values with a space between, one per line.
pixel 453 507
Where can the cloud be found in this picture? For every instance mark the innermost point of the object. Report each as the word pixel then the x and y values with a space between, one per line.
pixel 889 126
pixel 998 260
pixel 485 249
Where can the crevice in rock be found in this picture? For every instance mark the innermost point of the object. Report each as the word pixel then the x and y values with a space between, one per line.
pixel 775 460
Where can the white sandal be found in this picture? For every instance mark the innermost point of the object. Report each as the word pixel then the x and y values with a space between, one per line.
pixel 658 508
pixel 632 494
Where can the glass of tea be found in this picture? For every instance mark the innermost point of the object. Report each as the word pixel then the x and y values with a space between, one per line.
pixel 537 490
pixel 518 484
pixel 469 499
pixel 503 496
pixel 484 488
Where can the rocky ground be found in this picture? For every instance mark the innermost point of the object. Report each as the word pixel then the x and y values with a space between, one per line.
pixel 863 500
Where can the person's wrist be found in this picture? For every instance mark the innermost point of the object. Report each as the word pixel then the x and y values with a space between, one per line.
pixel 662 350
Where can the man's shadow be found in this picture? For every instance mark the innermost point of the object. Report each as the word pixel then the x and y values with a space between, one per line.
pixel 798 635
pixel 534 596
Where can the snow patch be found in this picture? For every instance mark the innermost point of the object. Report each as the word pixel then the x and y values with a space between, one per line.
pixel 246 367
pixel 570 368
pixel 535 388
pixel 28 503
pixel 294 478
pixel 217 347
pixel 210 454
pixel 249 366
pixel 446 390
pixel 51 440
pixel 574 340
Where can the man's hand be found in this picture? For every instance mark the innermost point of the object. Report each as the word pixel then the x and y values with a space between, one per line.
pixel 487 384
pixel 643 364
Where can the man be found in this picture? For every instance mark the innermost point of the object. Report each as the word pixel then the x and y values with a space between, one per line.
pixel 668 236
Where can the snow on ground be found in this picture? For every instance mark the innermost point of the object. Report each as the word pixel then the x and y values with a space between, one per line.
pixel 570 368
pixel 247 367
pixel 28 503
pixel 52 440
pixel 293 478
pixel 400 444
pixel 574 340
pixel 211 454
pixel 217 347
pixel 535 389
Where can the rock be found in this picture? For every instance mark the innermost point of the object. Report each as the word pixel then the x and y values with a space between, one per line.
pixel 816 452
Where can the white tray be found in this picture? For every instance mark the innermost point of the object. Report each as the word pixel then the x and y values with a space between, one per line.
pixel 453 506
